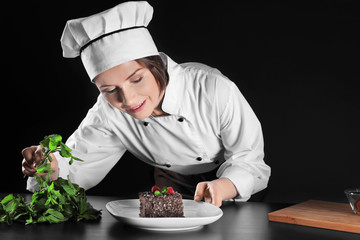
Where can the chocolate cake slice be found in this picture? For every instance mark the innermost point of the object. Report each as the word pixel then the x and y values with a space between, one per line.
pixel 165 203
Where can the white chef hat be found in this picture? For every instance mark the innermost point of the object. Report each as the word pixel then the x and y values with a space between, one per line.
pixel 110 38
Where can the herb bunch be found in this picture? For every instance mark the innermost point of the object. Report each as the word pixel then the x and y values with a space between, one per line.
pixel 55 201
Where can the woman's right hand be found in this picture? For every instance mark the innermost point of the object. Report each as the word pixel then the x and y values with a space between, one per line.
pixel 32 157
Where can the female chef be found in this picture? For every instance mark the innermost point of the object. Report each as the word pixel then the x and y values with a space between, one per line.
pixel 187 120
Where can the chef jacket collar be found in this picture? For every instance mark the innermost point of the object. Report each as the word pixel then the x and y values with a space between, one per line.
pixel 175 90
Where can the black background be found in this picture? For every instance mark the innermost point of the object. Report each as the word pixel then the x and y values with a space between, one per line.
pixel 296 64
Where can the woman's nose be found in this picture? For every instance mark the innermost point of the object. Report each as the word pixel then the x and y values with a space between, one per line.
pixel 126 98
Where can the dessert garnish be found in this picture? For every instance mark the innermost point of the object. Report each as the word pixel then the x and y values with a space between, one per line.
pixel 156 190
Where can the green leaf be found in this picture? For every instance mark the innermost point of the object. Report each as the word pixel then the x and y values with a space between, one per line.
pixel 83 205
pixel 58 195
pixel 50 158
pixel 7 199
pixel 41 219
pixel 20 215
pixel 51 187
pixel 29 221
pixel 69 190
pixel 74 186
pixel 68 210
pixel 52 219
pixel 91 213
pixel 77 159
pixel 65 153
pixel 55 213
pixel 40 181
pixel 65 150
pixel 45 143
pixel 55 138
pixel 39 205
pixel 10 207
pixel 52 145
pixel 43 168
pixel 164 190
pixel 54 141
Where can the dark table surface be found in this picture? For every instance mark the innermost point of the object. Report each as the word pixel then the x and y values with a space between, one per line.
pixel 240 221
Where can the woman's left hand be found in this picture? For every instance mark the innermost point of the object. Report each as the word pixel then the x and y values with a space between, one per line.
pixel 216 191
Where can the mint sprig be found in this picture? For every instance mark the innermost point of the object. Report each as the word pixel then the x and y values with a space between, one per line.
pixel 162 192
pixel 51 144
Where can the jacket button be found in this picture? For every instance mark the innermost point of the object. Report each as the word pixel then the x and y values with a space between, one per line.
pixel 199 158
pixel 167 165
pixel 181 119
pixel 146 123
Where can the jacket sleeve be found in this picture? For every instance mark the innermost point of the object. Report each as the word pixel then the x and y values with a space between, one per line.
pixel 242 139
pixel 93 142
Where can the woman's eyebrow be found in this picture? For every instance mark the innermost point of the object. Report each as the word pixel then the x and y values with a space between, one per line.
pixel 133 73
pixel 102 86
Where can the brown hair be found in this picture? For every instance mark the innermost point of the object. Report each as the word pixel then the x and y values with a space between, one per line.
pixel 157 68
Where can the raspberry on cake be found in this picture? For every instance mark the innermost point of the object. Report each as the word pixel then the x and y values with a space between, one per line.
pixel 161 203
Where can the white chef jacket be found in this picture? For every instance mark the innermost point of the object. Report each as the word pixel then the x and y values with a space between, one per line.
pixel 210 124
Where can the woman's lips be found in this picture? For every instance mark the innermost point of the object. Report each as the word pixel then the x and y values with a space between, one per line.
pixel 137 108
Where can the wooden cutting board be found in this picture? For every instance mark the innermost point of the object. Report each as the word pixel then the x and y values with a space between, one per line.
pixel 321 214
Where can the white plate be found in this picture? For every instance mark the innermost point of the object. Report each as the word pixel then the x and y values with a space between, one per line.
pixel 197 214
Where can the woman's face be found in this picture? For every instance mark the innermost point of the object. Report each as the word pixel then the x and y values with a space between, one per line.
pixel 131 88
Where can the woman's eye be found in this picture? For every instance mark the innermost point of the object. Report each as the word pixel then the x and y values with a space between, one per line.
pixel 138 80
pixel 110 91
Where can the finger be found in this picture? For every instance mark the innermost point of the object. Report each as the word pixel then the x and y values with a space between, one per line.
pixel 28 153
pixel 28 169
pixel 38 156
pixel 29 173
pixel 208 195
pixel 26 165
pixel 214 195
pixel 200 190
pixel 216 200
pixel 208 199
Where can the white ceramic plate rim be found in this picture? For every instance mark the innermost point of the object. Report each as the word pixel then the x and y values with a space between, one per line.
pixel 197 214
